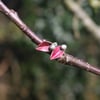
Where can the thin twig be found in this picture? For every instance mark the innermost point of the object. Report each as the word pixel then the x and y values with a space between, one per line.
pixel 84 17
pixel 75 23
pixel 15 18
pixel 66 58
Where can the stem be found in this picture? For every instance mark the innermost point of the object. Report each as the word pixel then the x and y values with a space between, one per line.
pixel 12 15
pixel 81 64
pixel 89 24
pixel 66 59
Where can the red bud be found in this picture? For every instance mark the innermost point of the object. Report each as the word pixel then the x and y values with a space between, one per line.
pixel 44 46
pixel 56 53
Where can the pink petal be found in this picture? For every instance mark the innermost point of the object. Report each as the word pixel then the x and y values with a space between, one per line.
pixel 44 46
pixel 56 53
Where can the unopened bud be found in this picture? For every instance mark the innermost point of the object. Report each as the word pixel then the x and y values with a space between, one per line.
pixel 63 47
pixel 53 45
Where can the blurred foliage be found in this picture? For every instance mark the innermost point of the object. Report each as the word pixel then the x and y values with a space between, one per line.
pixel 42 79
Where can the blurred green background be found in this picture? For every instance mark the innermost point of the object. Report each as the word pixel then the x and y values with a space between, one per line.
pixel 26 74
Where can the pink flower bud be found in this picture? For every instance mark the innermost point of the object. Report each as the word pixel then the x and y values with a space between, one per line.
pixel 56 53
pixel 44 46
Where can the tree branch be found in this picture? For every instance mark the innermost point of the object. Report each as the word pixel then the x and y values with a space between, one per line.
pixel 15 18
pixel 83 16
pixel 66 58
